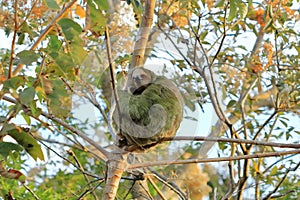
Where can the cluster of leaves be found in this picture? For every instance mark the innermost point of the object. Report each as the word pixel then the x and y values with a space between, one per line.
pixel 38 81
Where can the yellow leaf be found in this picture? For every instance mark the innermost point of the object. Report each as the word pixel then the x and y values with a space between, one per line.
pixel 79 11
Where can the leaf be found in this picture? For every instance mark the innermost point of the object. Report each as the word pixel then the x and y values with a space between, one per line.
pixel 80 11
pixel 59 101
pixel 26 118
pixel 70 28
pixel 274 171
pixel 63 66
pixel 28 142
pixel 27 95
pixel 12 174
pixel 72 32
pixel 102 4
pixel 7 147
pixel 237 7
pixel 269 24
pixel 231 103
pixel 21 38
pixel 283 123
pixel 28 29
pixel 54 43
pixel 288 135
pixel 52 4
pixel 191 118
pixel 98 20
pixel 243 9
pixel 14 83
pixel 220 3
pixel 78 53
pixel 255 167
pixel 6 127
pixel 232 11
pixel 27 57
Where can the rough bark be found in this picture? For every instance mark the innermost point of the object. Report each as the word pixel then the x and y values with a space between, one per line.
pixel 116 165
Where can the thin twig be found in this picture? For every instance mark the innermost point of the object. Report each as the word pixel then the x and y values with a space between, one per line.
pixel 159 192
pixel 276 162
pixel 168 183
pixel 276 52
pixel 113 84
pixel 31 191
pixel 231 171
pixel 13 43
pixel 264 124
pixel 176 47
pixel 68 161
pixel 215 97
pixel 232 140
pixel 29 13
pixel 208 160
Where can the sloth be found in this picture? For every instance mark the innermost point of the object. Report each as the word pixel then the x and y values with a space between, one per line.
pixel 151 109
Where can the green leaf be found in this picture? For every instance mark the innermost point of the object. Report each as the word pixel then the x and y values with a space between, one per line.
pixel 220 3
pixel 274 171
pixel 7 147
pixel 52 4
pixel 21 38
pixel 27 95
pixel 283 123
pixel 14 83
pixel 243 9
pixel 78 53
pixel 70 29
pixel 232 11
pixel 59 102
pixel 288 135
pixel 231 103
pixel 6 128
pixel 54 43
pixel 269 24
pixel 27 57
pixel 26 118
pixel 237 7
pixel 203 35
pixel 72 32
pixel 28 29
pixel 222 145
pixel 102 4
pixel 28 142
pixel 98 20
pixel 63 66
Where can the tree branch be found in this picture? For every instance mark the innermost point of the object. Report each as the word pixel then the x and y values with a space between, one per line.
pixel 142 37
pixel 16 28
pixel 115 98
pixel 210 160
pixel 232 140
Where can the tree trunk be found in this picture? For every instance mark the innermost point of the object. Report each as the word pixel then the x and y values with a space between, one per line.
pixel 116 165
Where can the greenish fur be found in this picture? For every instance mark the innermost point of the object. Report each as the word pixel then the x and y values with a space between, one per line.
pixel 140 105
pixel 140 130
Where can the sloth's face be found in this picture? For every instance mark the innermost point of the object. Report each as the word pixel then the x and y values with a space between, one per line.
pixel 140 78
